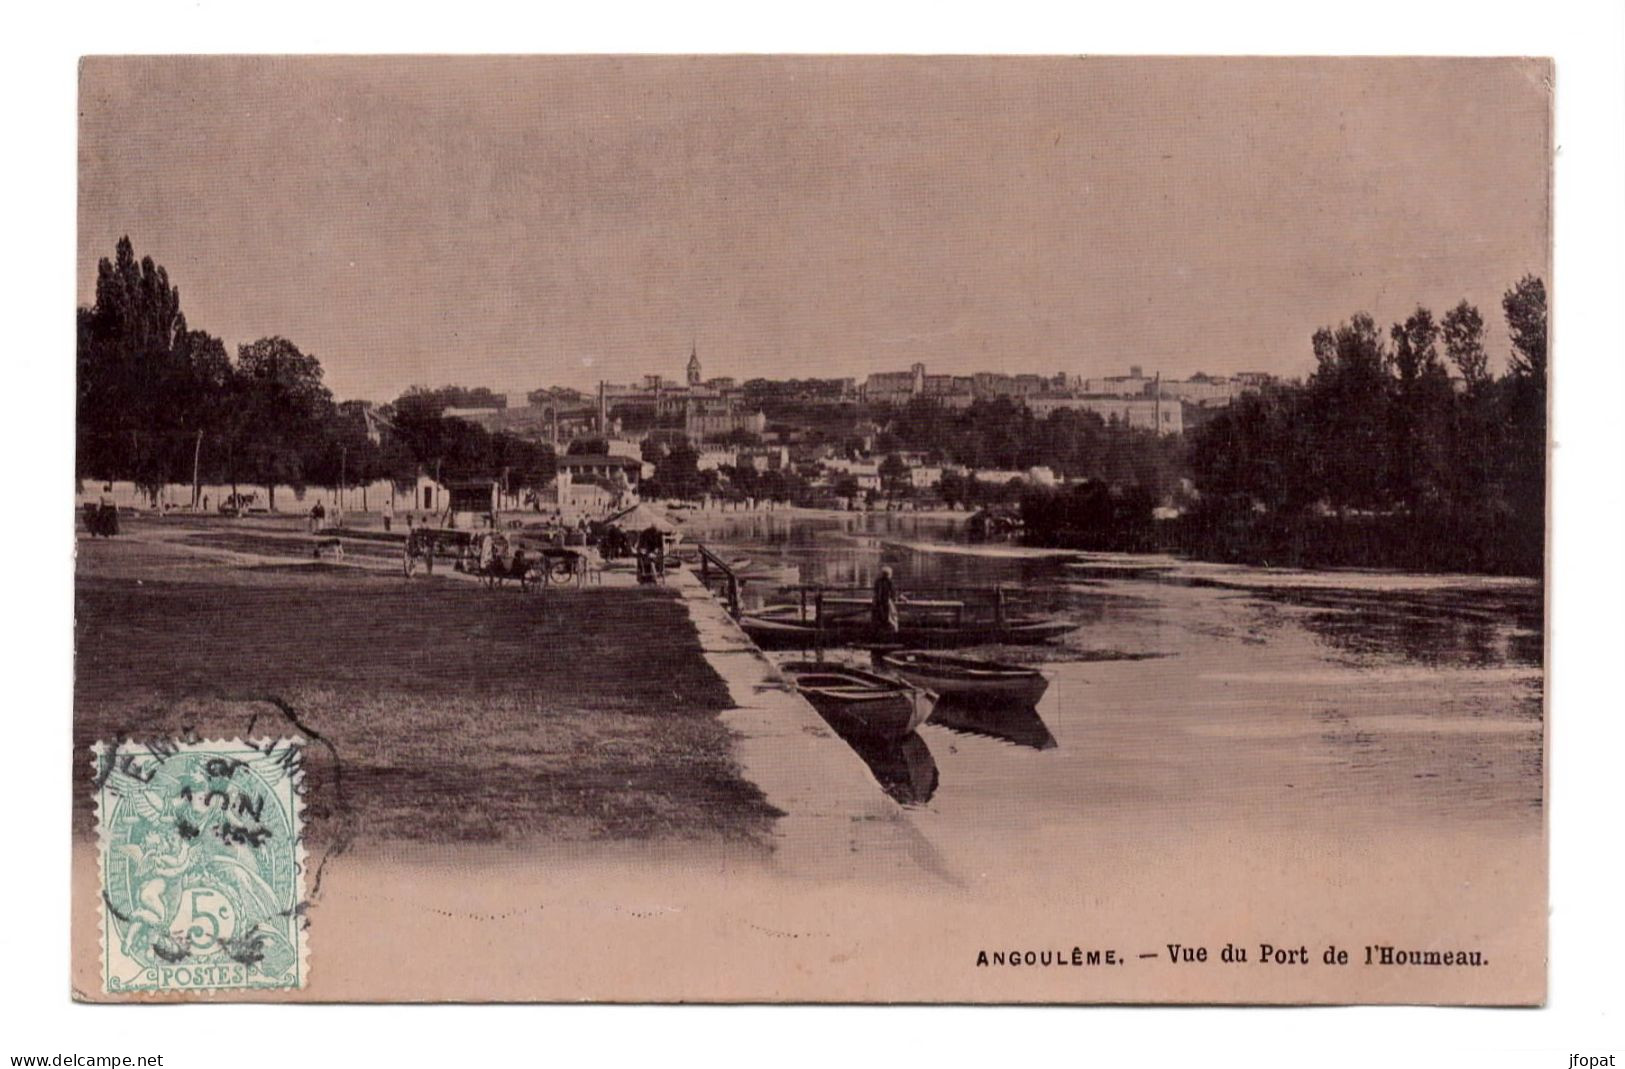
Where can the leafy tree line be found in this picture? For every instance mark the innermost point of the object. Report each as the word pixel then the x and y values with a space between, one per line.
pixel 678 475
pixel 1380 458
pixel 158 401
pixel 449 448
pixel 1092 515
pixel 1001 433
pixel 968 490
pixel 462 396
pixel 774 392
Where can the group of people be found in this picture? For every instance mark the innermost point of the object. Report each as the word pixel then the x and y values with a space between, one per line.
pixel 318 517
pixel 650 548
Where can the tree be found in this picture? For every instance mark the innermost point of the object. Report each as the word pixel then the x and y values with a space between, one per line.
pixel 549 396
pixel 526 465
pixel 776 485
pixel 285 409
pixel 1089 515
pixel 743 481
pixel 894 476
pixel 1348 416
pixel 1524 412
pixel 677 474
pixel 1420 419
pixel 1463 331
pixel 340 454
pixel 461 396
pixel 1525 307
pixel 846 486
pixel 1473 438
pixel 142 376
pixel 397 462
pixel 1247 450
pixel 416 417
pixel 1415 349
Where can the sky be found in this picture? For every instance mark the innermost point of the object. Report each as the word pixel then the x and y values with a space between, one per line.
pixel 514 222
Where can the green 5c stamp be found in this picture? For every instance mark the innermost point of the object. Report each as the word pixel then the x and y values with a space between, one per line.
pixel 201 866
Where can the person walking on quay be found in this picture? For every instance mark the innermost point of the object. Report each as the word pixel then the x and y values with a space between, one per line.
pixel 885 603
pixel 389 513
pixel 651 551
pixel 106 515
pixel 318 516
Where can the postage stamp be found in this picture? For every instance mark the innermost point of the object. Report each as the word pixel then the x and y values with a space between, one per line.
pixel 202 865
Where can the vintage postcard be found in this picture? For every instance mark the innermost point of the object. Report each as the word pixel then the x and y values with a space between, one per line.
pixel 803 529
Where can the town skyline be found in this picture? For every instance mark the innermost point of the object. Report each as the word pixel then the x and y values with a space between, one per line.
pixel 808 218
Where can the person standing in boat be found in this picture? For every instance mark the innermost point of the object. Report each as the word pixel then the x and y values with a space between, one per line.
pixel 885 603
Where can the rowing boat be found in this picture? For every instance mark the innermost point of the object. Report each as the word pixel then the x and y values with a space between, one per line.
pixel 861 703
pixel 967 678
pixel 785 630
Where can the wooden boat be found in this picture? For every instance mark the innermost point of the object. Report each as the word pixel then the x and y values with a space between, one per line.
pixel 965 678
pixel 861 703
pixel 779 629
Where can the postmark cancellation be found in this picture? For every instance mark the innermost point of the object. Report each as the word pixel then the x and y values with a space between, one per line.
pixel 201 865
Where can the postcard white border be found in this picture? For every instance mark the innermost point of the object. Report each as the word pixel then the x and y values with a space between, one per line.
pixel 1586 594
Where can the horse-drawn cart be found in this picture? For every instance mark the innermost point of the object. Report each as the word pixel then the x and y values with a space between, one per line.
pixel 494 557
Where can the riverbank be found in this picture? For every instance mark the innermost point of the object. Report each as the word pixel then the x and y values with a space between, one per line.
pixel 574 769
pixel 835 820
pixel 803 512
pixel 456 714
pixel 610 714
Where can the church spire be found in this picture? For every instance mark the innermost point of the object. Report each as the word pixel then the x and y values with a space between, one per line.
pixel 694 364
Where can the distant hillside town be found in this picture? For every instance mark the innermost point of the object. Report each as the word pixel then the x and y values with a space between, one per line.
pixel 719 408
pixel 836 441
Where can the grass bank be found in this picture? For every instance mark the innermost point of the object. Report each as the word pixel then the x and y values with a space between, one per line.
pixel 456 714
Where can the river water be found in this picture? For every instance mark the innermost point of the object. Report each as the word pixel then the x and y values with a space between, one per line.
pixel 1201 697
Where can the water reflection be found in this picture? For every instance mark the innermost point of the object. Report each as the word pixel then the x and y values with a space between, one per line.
pixel 1014 723
pixel 1455 625
pixel 1201 692
pixel 904 767
pixel 1097 571
pixel 1481 628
